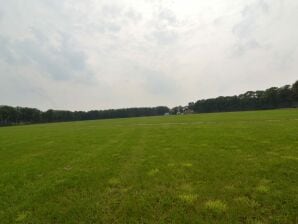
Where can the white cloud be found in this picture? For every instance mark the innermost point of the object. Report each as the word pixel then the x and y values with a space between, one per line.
pixel 91 54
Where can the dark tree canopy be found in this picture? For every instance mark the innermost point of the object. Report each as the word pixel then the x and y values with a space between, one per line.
pixel 22 115
pixel 283 97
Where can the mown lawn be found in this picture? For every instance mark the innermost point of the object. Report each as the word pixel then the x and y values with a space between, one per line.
pixel 209 168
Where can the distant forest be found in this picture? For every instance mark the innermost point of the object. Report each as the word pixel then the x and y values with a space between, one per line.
pixel 272 98
pixel 23 115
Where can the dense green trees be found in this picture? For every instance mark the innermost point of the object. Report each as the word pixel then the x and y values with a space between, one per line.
pixel 295 90
pixel 283 97
pixel 21 115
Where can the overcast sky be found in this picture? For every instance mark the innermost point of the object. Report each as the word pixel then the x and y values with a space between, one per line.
pixel 99 54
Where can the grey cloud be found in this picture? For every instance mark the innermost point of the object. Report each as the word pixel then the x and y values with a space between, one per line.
pixel 284 60
pixel 167 16
pixel 54 4
pixel 158 84
pixel 114 17
pixel 52 63
pixel 40 36
pixel 102 54
pixel 250 15
pixel 256 7
pixel 133 15
pixel 155 82
pixel 111 11
pixel 164 37
pixel 241 48
pixel 164 27
pixel 6 52
pixel 111 19
pixel 65 63
pixel 246 28
pixel 19 90
pixel 108 26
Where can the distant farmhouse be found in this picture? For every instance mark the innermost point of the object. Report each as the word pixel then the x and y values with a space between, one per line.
pixel 180 111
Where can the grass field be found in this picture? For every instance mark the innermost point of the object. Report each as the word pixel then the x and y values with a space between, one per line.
pixel 209 168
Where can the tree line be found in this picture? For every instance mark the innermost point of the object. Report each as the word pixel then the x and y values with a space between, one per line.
pixel 272 98
pixel 283 97
pixel 24 115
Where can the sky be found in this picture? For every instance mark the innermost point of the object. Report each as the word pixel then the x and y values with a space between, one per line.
pixel 101 54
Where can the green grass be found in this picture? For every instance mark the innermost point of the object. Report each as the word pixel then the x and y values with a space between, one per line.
pixel 209 168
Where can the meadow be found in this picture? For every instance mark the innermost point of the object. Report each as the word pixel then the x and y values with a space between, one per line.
pixel 239 167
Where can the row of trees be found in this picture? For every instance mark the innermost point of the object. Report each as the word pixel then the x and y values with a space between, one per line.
pixel 283 97
pixel 23 115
